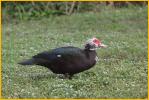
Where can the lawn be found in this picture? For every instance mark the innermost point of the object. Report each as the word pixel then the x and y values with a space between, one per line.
pixel 120 73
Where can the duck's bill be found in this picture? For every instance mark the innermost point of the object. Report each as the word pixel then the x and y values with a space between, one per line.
pixel 102 45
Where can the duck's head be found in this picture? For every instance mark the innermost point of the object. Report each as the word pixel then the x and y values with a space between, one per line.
pixel 94 43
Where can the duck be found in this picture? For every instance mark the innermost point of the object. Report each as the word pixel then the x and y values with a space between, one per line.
pixel 68 60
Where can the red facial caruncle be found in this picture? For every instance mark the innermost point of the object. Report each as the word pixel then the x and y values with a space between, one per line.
pixel 96 41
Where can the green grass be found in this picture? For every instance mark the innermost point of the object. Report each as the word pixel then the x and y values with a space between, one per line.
pixel 120 73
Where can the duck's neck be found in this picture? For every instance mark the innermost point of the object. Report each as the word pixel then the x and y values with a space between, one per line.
pixel 90 47
pixel 91 54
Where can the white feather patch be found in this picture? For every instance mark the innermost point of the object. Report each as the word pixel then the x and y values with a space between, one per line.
pixel 59 56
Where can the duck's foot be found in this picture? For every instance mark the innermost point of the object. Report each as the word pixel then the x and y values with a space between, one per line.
pixel 68 76
pixel 65 76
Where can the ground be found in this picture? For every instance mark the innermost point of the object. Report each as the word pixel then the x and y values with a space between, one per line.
pixel 120 73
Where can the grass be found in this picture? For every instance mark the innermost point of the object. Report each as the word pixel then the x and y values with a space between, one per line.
pixel 120 73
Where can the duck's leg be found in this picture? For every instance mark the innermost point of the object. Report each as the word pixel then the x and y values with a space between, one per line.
pixel 68 76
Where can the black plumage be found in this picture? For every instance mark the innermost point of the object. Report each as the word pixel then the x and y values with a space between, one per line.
pixel 66 60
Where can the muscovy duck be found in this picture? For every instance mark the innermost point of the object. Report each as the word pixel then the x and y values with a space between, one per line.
pixel 68 60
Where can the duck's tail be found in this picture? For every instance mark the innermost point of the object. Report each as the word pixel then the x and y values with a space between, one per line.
pixel 27 62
